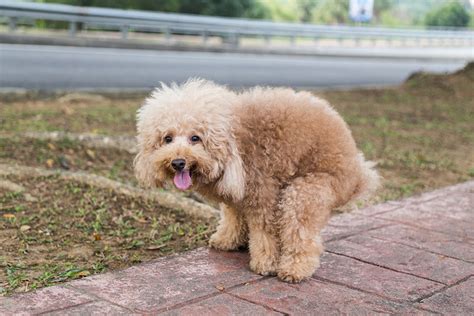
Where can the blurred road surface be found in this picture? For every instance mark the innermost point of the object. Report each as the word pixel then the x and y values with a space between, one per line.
pixel 60 67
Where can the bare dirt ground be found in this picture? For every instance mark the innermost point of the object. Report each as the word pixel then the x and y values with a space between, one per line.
pixel 421 134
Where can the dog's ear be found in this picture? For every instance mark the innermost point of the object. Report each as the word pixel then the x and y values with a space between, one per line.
pixel 144 171
pixel 232 183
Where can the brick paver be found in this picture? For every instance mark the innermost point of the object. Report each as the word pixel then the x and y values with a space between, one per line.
pixel 439 243
pixel 317 297
pixel 414 256
pixel 44 300
pixel 403 258
pixel 457 300
pixel 374 279
pixel 223 304
pixel 163 283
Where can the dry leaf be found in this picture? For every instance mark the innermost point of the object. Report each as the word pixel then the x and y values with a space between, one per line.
pixel 83 274
pixel 156 247
pixel 50 163
pixel 67 110
pixel 8 215
pixel 97 237
pixel 24 228
pixel 51 146
pixel 90 153
pixel 220 287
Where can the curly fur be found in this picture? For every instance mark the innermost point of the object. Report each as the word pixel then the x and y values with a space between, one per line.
pixel 277 160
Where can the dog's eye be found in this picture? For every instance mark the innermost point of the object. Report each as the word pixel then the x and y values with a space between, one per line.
pixel 195 138
pixel 168 139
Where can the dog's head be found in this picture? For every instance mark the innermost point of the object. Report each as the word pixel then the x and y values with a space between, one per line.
pixel 185 136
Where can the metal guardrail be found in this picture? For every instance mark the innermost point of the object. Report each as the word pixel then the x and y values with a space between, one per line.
pixel 232 29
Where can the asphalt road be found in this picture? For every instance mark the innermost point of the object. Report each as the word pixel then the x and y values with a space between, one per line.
pixel 59 67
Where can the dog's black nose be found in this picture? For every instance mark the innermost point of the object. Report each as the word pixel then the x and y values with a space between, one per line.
pixel 178 164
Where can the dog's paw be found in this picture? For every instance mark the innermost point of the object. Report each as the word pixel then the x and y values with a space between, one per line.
pixel 290 277
pixel 221 242
pixel 263 267
pixel 294 269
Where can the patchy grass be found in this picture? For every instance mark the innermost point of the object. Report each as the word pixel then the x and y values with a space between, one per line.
pixel 70 113
pixel 68 155
pixel 421 134
pixel 60 231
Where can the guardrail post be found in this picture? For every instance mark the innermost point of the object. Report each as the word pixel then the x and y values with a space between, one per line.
pixel 72 28
pixel 12 23
pixel 124 31
pixel 267 39
pixel 167 35
pixel 292 40
pixel 234 40
pixel 316 40
pixel 205 37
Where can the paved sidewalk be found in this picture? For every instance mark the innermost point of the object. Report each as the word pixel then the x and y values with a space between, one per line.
pixel 414 256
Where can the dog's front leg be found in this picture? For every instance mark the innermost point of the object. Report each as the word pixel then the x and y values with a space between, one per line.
pixel 231 232
pixel 263 245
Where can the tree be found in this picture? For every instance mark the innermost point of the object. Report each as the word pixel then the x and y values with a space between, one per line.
pixel 450 14
pixel 306 8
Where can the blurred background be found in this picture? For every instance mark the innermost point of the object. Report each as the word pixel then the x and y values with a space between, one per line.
pixel 79 44
pixel 431 13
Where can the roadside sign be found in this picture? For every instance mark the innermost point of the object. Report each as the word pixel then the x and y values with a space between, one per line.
pixel 361 10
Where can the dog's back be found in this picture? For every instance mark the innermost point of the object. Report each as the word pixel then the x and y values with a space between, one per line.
pixel 283 134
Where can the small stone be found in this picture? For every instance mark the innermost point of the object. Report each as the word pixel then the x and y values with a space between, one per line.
pixel 29 198
pixel 220 287
pixel 64 162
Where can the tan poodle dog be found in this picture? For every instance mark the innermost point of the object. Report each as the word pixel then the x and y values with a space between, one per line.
pixel 277 160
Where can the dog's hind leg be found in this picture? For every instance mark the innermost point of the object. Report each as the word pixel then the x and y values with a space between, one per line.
pixel 305 208
pixel 231 232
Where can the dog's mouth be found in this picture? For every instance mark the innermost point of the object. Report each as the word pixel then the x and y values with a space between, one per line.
pixel 183 178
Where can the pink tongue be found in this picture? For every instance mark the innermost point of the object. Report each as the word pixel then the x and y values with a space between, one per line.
pixel 182 180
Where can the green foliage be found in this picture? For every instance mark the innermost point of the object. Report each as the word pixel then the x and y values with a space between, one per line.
pixel 471 20
pixel 332 12
pixel 228 8
pixel 155 5
pixel 449 14
pixel 281 10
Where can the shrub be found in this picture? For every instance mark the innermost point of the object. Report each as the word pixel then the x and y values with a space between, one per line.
pixel 450 14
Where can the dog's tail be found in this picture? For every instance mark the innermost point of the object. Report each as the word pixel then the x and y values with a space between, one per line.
pixel 368 184
pixel 370 179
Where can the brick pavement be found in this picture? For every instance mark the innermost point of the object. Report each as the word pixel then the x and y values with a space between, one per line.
pixel 414 256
